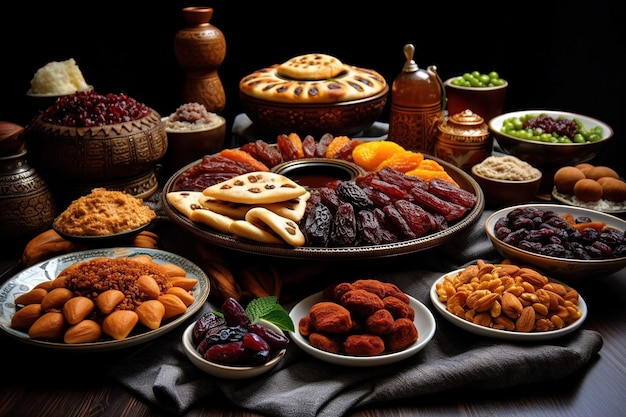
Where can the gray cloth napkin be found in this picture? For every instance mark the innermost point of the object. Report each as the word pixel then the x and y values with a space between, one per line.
pixel 160 373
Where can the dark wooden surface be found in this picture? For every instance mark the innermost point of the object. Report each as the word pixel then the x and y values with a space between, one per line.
pixel 41 383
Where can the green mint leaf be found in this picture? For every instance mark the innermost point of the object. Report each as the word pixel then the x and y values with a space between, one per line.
pixel 281 319
pixel 267 308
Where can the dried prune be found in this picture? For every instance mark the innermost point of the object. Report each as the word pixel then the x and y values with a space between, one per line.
pixel 368 228
pixel 350 192
pixel 208 323
pixel 329 198
pixel 317 225
pixel 343 227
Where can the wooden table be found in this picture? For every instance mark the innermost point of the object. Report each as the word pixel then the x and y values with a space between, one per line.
pixel 43 383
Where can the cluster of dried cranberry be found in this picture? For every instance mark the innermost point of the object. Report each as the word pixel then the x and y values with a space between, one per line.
pixel 233 339
pixel 547 233
pixel 88 109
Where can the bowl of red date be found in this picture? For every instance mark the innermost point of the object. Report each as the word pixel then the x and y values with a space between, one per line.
pixel 234 360
pixel 568 243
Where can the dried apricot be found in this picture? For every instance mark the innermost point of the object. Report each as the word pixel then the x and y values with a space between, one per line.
pixel 429 169
pixel 243 156
pixel 335 146
pixel 402 161
pixel 297 143
pixel 369 155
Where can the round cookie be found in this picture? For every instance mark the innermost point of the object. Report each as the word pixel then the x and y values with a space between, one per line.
pixel 311 67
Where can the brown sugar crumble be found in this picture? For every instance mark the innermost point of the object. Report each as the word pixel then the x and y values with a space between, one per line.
pixel 104 212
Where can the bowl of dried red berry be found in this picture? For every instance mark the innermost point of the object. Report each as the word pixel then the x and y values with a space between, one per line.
pixel 567 243
pixel 95 139
pixel 238 343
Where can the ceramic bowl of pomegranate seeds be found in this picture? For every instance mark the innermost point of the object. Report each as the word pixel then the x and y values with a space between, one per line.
pixel 87 140
pixel 232 361
pixel 564 242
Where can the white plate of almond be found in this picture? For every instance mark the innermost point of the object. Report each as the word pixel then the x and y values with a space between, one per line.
pixel 488 300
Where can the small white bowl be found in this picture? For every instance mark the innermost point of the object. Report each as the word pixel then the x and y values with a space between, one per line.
pixel 225 371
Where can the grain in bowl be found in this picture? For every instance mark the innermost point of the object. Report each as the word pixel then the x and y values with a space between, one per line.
pixel 506 167
pixel 104 212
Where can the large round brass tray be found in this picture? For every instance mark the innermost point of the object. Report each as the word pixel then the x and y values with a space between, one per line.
pixel 464 180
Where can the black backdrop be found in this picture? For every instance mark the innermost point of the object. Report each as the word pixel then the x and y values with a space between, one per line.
pixel 555 54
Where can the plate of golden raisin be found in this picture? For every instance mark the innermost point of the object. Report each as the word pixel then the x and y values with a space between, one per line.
pixel 364 323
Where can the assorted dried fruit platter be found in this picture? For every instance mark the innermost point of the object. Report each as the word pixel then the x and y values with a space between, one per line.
pixel 405 202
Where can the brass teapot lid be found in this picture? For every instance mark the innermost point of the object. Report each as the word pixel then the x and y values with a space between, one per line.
pixel 465 126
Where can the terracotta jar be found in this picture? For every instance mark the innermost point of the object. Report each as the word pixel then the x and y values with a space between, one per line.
pixel 463 140
pixel 200 49
pixel 26 203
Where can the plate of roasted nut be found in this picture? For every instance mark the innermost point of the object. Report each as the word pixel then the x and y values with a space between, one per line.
pixel 101 299
pixel 507 301
pixel 392 325
pixel 382 200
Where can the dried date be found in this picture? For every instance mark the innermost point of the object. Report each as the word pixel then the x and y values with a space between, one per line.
pixel 350 192
pixel 343 228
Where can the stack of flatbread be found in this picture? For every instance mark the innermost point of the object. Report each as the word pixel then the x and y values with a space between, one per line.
pixel 261 206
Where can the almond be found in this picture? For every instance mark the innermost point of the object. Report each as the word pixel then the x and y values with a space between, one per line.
pixel 50 325
pixel 56 298
pixel 174 306
pixel 526 321
pixel 119 323
pixel 149 287
pixel 108 300
pixel 150 313
pixel 25 317
pixel 78 308
pixel 33 296
pixel 84 331
pixel 511 305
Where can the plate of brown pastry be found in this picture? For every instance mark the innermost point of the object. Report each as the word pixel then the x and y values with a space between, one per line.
pixel 101 299
pixel 384 212
pixel 363 323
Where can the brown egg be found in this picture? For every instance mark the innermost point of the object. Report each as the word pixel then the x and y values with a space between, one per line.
pixel 565 178
pixel 602 180
pixel 601 171
pixel 584 167
pixel 614 189
pixel 588 190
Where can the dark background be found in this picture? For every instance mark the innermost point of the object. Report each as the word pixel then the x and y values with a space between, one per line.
pixel 555 54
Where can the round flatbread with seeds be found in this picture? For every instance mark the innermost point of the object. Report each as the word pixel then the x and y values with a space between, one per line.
pixel 259 187
pixel 311 67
